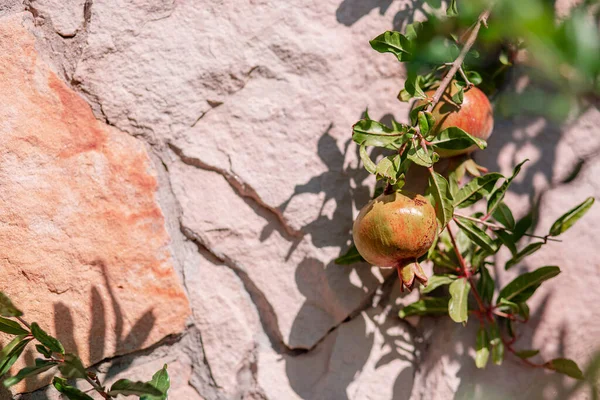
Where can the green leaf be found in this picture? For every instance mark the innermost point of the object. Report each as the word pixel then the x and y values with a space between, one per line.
pixel 482 185
pixel 452 9
pixel 389 168
pixel 498 353
pixel 419 156
pixel 45 339
pixel 411 30
pixel 373 133
pixel 404 96
pixel 417 107
pixel 7 308
pixel 126 387
pixel 11 327
pixel 43 350
pixel 352 256
pixel 528 250
pixel 439 192
pixel 436 281
pixel 508 240
pixel 482 348
pixel 495 339
pixel 458 304
pixel 474 77
pixel 503 58
pixel 476 234
pixel 71 392
pixel 525 354
pixel 393 42
pixel 494 334
pixel 430 119
pixel 572 216
pixel 498 195
pixel 11 352
pixel 485 285
pixel 442 260
pixel 423 123
pixel 565 366
pixel 413 86
pixel 72 367
pixel 454 138
pixel 524 310
pixel 453 184
pixel 366 160
pixel 458 97
pixel 161 381
pixel 522 226
pixel 29 371
pixel 478 256
pixel 522 287
pixel 425 306
pixel 503 215
pixel 508 306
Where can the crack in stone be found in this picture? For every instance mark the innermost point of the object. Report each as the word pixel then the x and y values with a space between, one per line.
pixel 385 287
pixel 241 187
pixel 266 313
pixel 261 71
pixel 211 376
pixel 194 330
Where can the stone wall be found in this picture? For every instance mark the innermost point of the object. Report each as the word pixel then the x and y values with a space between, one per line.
pixel 177 177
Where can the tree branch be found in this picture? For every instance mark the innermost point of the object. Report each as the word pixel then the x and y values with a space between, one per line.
pixel 496 226
pixel 456 65
pixel 459 60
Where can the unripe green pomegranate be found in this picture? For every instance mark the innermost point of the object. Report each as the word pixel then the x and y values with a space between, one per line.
pixel 394 230
pixel 474 116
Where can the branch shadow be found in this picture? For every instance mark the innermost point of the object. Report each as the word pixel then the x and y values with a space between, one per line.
pixel 321 373
pixel 64 326
pixel 526 382
pixel 348 188
pixel 328 370
pixel 350 11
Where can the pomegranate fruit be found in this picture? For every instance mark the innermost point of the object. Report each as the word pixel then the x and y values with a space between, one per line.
pixel 474 116
pixel 395 229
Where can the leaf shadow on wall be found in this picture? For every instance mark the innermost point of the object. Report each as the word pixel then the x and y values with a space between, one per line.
pixel 350 12
pixel 325 370
pixel 317 374
pixel 64 326
pixel 491 383
pixel 366 347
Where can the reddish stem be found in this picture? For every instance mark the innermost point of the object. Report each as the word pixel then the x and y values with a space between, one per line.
pixel 468 275
pixel 508 346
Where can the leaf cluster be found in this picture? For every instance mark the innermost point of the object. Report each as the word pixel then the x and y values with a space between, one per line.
pixel 462 285
pixel 67 367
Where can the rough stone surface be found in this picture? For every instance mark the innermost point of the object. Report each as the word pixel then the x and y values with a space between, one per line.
pixel 66 16
pixel 84 248
pixel 246 108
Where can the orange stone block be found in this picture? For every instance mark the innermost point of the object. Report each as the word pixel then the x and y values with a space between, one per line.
pixel 83 246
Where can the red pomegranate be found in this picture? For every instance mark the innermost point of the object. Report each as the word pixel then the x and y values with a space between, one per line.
pixel 474 116
pixel 394 230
